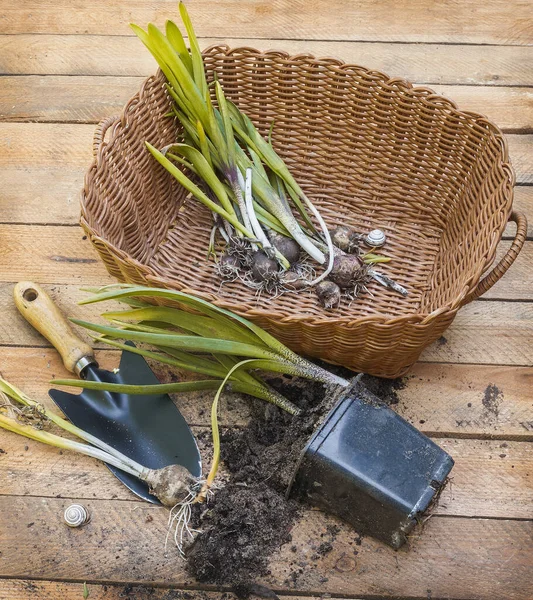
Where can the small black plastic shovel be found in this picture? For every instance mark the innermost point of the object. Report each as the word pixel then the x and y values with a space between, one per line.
pixel 147 429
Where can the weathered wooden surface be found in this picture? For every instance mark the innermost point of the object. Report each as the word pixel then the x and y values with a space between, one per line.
pixel 89 99
pixel 119 56
pixel 492 22
pixel 449 556
pixel 65 67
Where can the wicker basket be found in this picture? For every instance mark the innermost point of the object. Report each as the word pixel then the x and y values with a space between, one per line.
pixel 370 151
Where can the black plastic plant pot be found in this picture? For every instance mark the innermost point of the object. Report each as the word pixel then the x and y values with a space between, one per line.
pixel 368 466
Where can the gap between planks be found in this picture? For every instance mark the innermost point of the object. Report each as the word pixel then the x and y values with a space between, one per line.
pixel 25 589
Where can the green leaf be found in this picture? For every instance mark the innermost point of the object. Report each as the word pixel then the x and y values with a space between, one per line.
pixel 147 40
pixel 264 217
pixel 180 360
pixel 181 76
pixel 196 53
pixel 182 161
pixel 214 425
pixel 196 191
pixel 85 591
pixel 228 129
pixel 182 387
pixel 185 342
pixel 203 145
pixel 205 326
pixel 128 291
pixel 178 43
pixel 205 171
pixel 228 362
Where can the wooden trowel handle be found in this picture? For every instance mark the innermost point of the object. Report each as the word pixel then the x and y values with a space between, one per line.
pixel 36 306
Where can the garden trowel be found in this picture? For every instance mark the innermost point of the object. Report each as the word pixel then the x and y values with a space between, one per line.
pixel 147 429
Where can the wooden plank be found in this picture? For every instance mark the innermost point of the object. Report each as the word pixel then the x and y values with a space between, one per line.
pixel 72 99
pixel 60 145
pixel 468 400
pixel 490 478
pixel 517 278
pixel 42 182
pixel 451 557
pixel 71 145
pixel 521 153
pixel 483 332
pixel 44 54
pixel 487 333
pixel 44 196
pixel 49 255
pixel 89 99
pixel 493 22
pixel 473 400
pixel 32 369
pixel 41 195
pixel 48 196
pixel 31 589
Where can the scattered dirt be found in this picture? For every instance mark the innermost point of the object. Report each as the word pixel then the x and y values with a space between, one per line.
pixel 492 398
pixel 250 518
pixel 385 389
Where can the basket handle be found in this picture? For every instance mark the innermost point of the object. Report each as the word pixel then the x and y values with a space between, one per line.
pixel 100 131
pixel 500 269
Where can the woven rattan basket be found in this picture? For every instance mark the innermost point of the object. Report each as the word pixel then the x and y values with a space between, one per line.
pixel 370 152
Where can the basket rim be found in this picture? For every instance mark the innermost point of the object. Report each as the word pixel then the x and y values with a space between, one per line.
pixel 117 123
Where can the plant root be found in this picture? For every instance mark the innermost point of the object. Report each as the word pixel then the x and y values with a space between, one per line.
pixel 180 515
pixel 32 415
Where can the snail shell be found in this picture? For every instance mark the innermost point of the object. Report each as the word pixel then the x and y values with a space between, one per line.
pixel 376 238
pixel 76 515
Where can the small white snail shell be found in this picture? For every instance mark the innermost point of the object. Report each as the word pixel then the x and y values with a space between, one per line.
pixel 76 515
pixel 376 238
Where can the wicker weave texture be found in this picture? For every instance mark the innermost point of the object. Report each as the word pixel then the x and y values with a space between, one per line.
pixel 370 151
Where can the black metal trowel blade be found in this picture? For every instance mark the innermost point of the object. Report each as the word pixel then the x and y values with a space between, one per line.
pixel 147 429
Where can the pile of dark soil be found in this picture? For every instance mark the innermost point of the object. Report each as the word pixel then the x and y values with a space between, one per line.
pixel 250 517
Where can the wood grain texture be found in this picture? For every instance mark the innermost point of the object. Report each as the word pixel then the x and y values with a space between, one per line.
pixel 440 399
pixel 468 400
pixel 483 332
pixel 467 21
pixel 65 257
pixel 41 183
pixel 517 277
pixel 70 145
pixel 89 99
pixel 490 478
pixel 40 311
pixel 44 54
pixel 487 333
pixel 120 553
pixel 51 196
pixel 26 589
pixel 451 557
